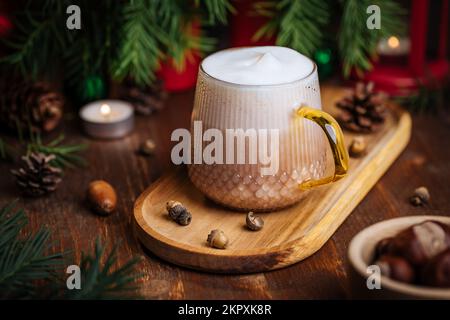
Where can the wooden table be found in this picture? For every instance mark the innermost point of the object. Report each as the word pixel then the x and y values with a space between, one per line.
pixel 426 161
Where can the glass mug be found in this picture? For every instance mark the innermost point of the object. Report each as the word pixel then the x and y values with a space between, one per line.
pixel 294 110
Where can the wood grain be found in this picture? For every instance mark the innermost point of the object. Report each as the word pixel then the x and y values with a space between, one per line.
pixel 289 235
pixel 324 275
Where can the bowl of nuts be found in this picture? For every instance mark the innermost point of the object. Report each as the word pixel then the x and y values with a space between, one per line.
pixel 402 258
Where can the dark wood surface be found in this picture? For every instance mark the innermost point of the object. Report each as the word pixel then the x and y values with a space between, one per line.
pixel 426 161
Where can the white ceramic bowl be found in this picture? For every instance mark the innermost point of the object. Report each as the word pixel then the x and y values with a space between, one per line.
pixel 361 252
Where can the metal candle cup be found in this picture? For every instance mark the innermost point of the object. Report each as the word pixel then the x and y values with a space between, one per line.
pixel 107 119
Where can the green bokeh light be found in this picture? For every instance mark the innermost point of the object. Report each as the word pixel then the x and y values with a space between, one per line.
pixel 323 56
pixel 93 88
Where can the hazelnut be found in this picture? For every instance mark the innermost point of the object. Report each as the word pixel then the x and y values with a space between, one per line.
pixel 217 239
pixel 178 213
pixel 102 197
pixel 147 148
pixel 415 201
pixel 396 268
pixel 253 222
pixel 421 196
pixel 437 272
pixel 357 147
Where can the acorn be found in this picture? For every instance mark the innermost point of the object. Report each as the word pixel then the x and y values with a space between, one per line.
pixel 396 268
pixel 254 223
pixel 217 239
pixel 178 213
pixel 102 197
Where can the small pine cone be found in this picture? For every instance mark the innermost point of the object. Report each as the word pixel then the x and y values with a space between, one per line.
pixel 29 105
pixel 145 100
pixel 37 176
pixel 364 110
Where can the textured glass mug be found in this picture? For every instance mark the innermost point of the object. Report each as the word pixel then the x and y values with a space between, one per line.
pixel 302 145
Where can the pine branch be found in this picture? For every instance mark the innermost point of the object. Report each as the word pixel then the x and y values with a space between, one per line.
pixel 5 150
pixel 183 40
pixel 299 24
pixel 142 36
pixel 431 96
pixel 153 30
pixel 184 44
pixel 176 18
pixel 357 44
pixel 41 37
pixel 65 155
pixel 23 260
pixel 124 38
pixel 10 224
pixel 92 49
pixel 100 280
pixel 217 10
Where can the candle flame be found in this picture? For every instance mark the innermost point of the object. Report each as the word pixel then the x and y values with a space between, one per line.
pixel 105 110
pixel 393 42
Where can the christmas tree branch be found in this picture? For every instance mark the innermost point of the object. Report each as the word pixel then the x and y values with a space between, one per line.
pixel 23 261
pixel 40 38
pixel 142 36
pixel 217 10
pixel 128 39
pixel 100 280
pixel 431 96
pixel 93 48
pixel 357 43
pixel 65 155
pixel 5 150
pixel 298 24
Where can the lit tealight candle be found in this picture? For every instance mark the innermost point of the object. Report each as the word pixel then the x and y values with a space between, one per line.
pixel 107 119
pixel 394 46
pixel 105 110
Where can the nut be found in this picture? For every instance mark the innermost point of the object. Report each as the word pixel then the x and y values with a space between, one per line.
pixel 419 254
pixel 253 222
pixel 102 197
pixel 357 147
pixel 383 247
pixel 147 148
pixel 415 201
pixel 178 213
pixel 217 239
pixel 421 242
pixel 437 272
pixel 396 268
pixel 421 196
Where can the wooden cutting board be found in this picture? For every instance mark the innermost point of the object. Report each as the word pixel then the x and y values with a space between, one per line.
pixel 289 235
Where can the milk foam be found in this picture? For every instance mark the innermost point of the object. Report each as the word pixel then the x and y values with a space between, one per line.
pixel 258 65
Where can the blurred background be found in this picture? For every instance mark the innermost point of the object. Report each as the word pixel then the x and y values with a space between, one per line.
pixel 160 43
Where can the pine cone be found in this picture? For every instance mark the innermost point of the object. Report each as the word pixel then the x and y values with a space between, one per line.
pixel 29 106
pixel 37 175
pixel 145 100
pixel 364 110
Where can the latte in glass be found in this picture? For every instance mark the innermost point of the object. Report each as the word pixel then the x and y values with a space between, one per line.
pixel 264 89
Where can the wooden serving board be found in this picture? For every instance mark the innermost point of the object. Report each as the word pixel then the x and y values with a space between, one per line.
pixel 289 235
